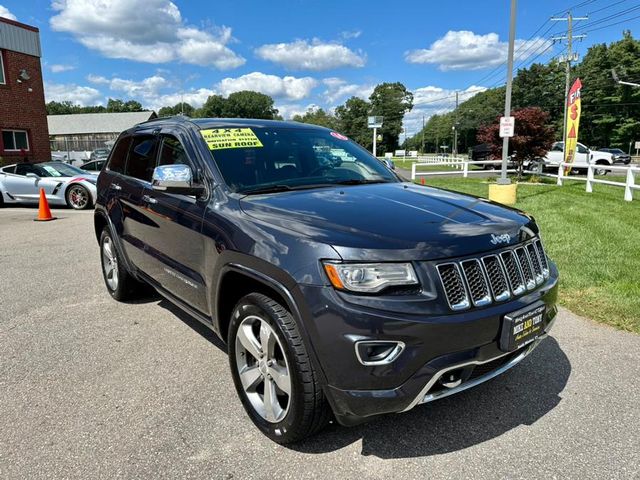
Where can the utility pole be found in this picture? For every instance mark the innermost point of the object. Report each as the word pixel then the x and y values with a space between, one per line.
pixel 568 58
pixel 455 130
pixel 503 180
pixel 422 149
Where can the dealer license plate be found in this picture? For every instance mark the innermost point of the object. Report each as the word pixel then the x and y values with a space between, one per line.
pixel 522 327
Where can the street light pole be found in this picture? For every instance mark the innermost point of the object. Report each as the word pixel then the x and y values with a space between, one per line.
pixel 503 180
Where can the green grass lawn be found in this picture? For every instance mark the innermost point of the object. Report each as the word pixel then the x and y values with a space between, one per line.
pixel 594 238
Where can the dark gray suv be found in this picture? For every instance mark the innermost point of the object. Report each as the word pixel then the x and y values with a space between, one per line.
pixel 340 289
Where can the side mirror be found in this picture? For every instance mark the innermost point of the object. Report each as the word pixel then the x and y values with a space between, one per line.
pixel 175 179
pixel 33 175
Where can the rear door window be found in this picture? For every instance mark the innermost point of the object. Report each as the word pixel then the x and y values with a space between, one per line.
pixel 118 158
pixel 142 157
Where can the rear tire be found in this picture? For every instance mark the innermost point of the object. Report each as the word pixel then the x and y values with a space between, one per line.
pixel 267 354
pixel 119 282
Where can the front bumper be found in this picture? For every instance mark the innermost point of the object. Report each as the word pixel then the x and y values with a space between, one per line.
pixel 435 344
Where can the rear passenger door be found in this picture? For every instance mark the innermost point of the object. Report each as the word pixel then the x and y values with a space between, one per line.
pixel 130 165
pixel 172 233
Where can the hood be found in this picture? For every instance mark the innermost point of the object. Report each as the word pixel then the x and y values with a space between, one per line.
pixel 393 221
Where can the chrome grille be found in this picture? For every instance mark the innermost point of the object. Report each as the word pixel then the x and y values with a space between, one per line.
pixel 453 286
pixel 535 263
pixel 513 271
pixel 477 282
pixel 497 278
pixel 525 266
pixel 494 278
pixel 543 259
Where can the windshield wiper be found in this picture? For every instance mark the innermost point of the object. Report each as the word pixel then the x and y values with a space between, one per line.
pixel 281 187
pixel 355 181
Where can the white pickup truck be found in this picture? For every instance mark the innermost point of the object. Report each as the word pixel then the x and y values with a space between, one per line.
pixel 584 157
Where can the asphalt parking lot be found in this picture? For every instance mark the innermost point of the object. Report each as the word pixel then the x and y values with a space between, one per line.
pixel 90 388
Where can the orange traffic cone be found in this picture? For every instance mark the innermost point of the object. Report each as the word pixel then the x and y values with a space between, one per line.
pixel 422 181
pixel 44 213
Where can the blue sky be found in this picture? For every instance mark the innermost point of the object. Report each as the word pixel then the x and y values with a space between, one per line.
pixel 301 52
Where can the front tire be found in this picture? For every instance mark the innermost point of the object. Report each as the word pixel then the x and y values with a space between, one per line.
pixel 119 282
pixel 78 197
pixel 272 371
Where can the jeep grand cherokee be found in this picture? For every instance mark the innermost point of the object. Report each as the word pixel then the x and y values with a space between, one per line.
pixel 339 289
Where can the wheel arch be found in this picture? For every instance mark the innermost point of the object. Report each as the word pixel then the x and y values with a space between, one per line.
pixel 247 280
pixel 235 282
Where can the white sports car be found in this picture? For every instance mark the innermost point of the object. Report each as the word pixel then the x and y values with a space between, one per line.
pixel 63 184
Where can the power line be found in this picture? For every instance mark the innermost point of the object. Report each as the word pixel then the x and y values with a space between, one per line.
pixel 607 18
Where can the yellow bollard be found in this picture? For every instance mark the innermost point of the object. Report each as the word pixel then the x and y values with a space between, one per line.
pixel 505 194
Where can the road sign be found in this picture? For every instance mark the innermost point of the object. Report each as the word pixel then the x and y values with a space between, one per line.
pixel 374 122
pixel 637 145
pixel 507 126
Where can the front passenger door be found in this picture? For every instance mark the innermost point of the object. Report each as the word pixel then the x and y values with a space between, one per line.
pixel 175 241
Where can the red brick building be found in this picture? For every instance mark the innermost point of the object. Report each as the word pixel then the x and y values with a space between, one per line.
pixel 24 134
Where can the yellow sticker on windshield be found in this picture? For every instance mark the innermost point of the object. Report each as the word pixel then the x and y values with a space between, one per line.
pixel 221 138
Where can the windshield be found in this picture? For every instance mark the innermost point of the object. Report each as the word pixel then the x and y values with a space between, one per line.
pixel 58 170
pixel 254 160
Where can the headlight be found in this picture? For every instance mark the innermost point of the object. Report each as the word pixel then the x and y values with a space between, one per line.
pixel 369 277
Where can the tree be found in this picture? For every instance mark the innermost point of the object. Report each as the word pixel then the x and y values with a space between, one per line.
pixel 533 136
pixel 352 121
pixel 392 101
pixel 177 109
pixel 213 107
pixel 117 105
pixel 317 116
pixel 66 107
pixel 249 104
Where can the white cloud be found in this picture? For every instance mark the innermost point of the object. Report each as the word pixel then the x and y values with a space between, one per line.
pixel 288 111
pixel 57 68
pixel 465 50
pixel 76 94
pixel 430 100
pixel 152 91
pixel 193 97
pixel 338 89
pixel 349 34
pixel 4 12
pixel 311 55
pixel 155 33
pixel 288 87
pixel 145 89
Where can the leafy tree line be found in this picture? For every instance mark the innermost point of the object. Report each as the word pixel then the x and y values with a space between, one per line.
pixel 390 100
pixel 610 112
pixel 113 105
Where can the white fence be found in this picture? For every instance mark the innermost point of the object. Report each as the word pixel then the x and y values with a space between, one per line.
pixel 461 166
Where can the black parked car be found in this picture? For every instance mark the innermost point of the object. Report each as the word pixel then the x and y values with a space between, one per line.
pixel 338 288
pixel 619 156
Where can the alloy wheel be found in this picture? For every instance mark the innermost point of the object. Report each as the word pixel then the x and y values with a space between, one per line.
pixel 78 197
pixel 109 263
pixel 263 369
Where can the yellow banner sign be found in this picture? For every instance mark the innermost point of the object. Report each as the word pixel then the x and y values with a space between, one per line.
pixel 574 108
pixel 221 138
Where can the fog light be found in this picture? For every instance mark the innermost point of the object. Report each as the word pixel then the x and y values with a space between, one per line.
pixel 378 352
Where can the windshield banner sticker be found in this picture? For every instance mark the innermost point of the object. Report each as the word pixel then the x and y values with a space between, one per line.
pixel 221 138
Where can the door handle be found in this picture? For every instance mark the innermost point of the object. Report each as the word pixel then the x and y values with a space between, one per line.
pixel 148 199
pixel 115 186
